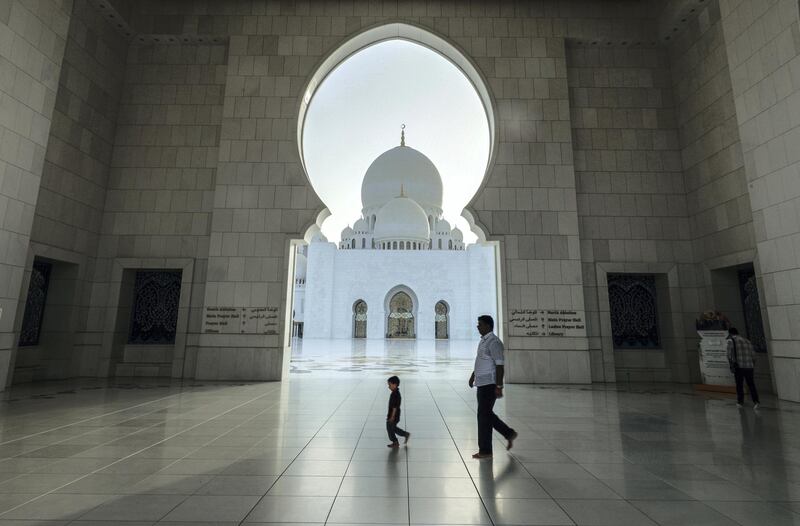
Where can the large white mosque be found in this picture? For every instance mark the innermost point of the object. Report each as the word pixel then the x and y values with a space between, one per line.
pixel 401 271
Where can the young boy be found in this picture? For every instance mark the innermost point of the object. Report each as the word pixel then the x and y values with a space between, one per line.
pixel 393 416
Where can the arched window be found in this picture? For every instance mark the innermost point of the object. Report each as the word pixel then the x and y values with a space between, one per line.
pixel 363 242
pixel 353 243
pixel 450 244
pixel 360 319
pixel 394 245
pixel 440 244
pixel 441 320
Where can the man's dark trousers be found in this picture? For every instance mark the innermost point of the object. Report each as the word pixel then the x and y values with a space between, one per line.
pixel 745 375
pixel 487 420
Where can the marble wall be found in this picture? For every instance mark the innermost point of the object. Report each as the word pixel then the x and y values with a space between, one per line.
pixel 622 160
pixel 718 201
pixel 32 41
pixel 631 198
pixel 762 42
pixel 163 174
pixel 67 223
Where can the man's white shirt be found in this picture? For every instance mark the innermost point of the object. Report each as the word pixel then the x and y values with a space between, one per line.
pixel 489 356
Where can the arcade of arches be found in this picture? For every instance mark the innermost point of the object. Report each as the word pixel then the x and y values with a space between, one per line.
pixel 400 321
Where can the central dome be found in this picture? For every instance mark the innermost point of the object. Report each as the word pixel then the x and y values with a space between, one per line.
pixel 401 219
pixel 406 167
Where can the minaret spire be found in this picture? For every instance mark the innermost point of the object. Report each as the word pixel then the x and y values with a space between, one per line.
pixel 402 190
pixel 403 135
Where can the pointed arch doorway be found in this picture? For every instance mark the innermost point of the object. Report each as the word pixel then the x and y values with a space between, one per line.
pixel 360 319
pixel 442 321
pixel 401 320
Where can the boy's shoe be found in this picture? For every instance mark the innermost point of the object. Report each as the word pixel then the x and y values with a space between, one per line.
pixel 756 405
pixel 739 405
pixel 482 455
pixel 511 440
pixel 393 445
pixel 408 435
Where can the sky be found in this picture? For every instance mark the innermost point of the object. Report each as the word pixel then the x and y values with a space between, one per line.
pixel 356 114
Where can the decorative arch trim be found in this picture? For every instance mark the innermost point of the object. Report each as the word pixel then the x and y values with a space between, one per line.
pixel 411 33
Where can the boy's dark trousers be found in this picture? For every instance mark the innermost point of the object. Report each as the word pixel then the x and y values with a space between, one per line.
pixel 745 375
pixel 393 430
pixel 487 420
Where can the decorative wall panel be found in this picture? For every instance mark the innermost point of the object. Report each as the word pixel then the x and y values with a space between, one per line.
pixel 156 299
pixel 34 305
pixel 634 312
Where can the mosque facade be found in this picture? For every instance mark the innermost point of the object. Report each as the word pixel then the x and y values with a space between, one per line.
pixel 401 271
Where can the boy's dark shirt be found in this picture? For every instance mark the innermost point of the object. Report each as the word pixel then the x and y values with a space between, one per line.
pixel 394 403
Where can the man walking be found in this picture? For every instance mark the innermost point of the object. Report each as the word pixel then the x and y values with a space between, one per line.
pixel 742 358
pixel 488 377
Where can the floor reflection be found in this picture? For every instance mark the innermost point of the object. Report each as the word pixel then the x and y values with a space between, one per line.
pixel 312 450
pixel 421 358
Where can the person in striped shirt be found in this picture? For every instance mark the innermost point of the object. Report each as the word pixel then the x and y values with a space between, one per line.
pixel 741 356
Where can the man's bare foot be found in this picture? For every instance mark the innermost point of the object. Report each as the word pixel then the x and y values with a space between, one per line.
pixel 482 455
pixel 511 440
pixel 408 435
pixel 393 445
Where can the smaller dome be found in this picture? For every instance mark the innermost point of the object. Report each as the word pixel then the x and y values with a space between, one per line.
pixel 402 219
pixel 361 226
pixel 457 234
pixel 442 227
pixel 347 232
pixel 402 165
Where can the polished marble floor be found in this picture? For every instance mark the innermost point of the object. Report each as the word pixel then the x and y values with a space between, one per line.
pixel 311 450
pixel 353 358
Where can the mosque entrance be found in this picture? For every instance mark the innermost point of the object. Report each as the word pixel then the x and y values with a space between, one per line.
pixel 401 317
pixel 360 319
pixel 441 321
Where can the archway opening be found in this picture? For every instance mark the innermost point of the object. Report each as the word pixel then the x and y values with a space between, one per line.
pixel 400 320
pixel 441 320
pixel 353 110
pixel 360 319
pixel 396 193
